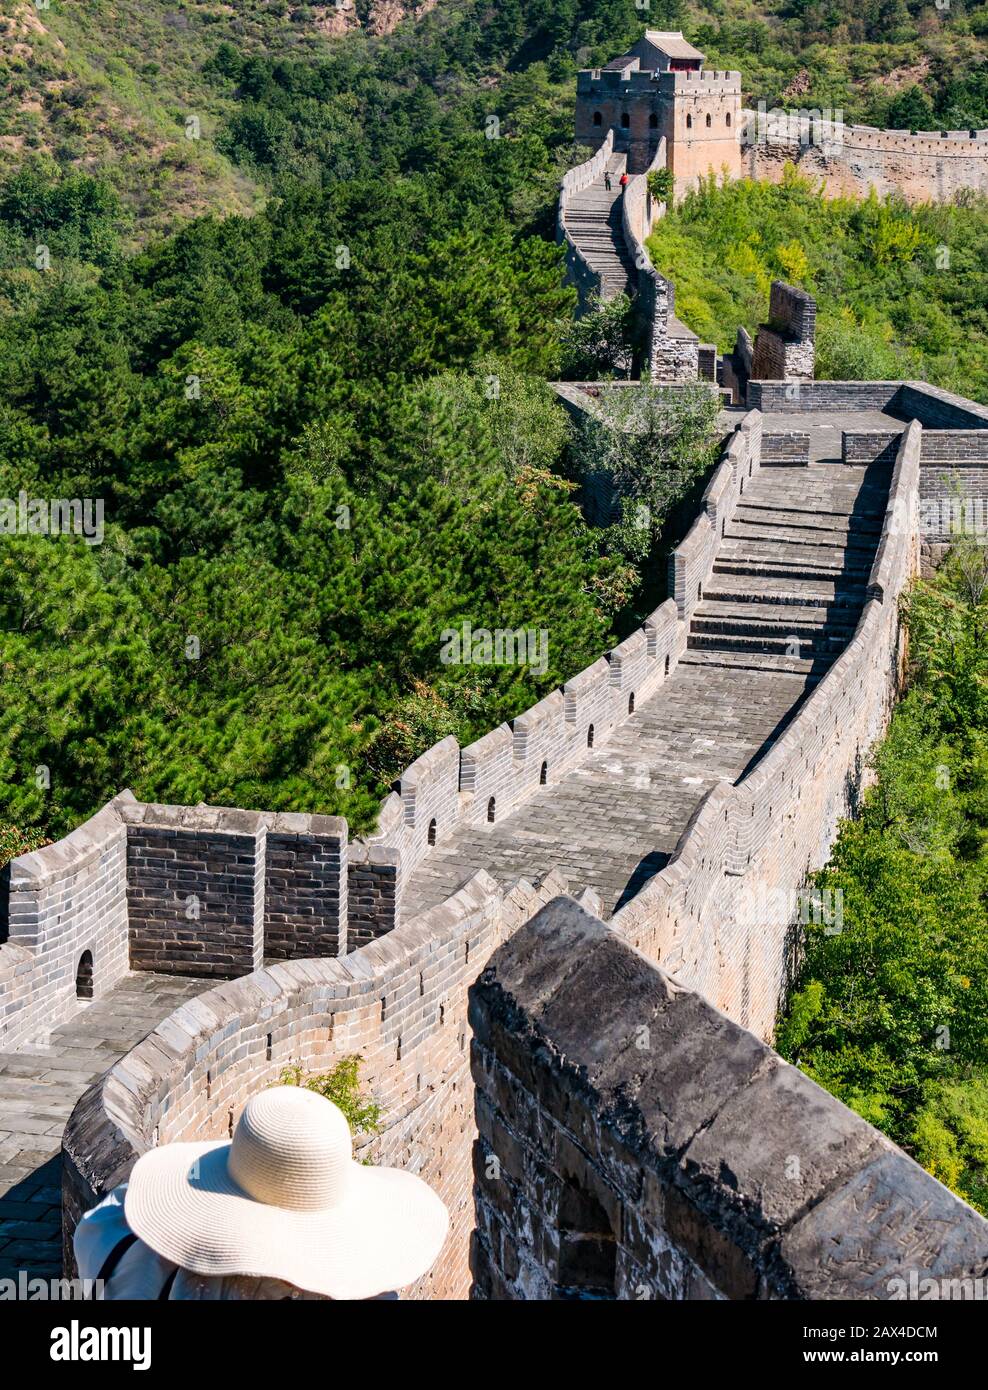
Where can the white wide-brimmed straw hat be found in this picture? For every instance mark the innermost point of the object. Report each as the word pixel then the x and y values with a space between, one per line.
pixel 284 1199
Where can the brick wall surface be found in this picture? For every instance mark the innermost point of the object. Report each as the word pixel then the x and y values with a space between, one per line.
pixel 63 900
pixel 667 1153
pixel 305 886
pixel 195 889
pixel 786 446
pixel 869 446
pixel 400 1002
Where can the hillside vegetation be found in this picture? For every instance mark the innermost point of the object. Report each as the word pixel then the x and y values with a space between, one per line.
pixel 890 1012
pixel 902 291
pixel 116 87
pixel 321 435
pixel 910 64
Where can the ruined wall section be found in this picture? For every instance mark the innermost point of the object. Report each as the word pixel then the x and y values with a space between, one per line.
pixel 668 1154
pixel 785 347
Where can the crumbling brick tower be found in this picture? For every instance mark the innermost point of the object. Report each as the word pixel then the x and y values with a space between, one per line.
pixel 785 348
pixel 659 90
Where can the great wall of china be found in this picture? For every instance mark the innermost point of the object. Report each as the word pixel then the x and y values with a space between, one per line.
pixel 562 952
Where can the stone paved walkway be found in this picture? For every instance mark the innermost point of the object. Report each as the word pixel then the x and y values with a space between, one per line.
pixel 39 1087
pixel 786 592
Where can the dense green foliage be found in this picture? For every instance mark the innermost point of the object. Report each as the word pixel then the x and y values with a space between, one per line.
pixel 901 292
pixel 320 436
pixel 891 1012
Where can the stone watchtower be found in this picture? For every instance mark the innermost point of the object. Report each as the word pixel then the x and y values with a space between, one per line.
pixel 659 90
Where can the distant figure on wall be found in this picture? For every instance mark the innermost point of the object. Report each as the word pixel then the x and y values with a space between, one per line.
pixel 624 181
pixel 607 179
pixel 281 1211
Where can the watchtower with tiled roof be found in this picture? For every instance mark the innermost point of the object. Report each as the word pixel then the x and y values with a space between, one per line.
pixel 660 89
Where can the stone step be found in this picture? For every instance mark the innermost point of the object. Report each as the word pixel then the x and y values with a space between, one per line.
pixel 758 661
pixel 866 524
pixel 745 531
pixel 822 643
pixel 782 492
pixel 787 570
pixel 763 617
pixel 770 591
pixel 783 550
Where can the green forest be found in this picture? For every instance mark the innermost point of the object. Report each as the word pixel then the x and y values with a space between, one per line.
pixel 286 300
pixel 321 434
pixel 891 1012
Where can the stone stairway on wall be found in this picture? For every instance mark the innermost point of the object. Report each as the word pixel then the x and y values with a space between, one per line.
pixel 593 220
pixel 786 592
pixel 788 583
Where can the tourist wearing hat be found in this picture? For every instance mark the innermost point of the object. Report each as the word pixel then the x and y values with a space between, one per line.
pixel 282 1210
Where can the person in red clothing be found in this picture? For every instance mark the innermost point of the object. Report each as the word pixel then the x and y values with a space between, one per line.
pixel 624 181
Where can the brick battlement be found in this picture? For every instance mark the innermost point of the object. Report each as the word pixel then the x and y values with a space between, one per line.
pixel 401 998
pixel 707 78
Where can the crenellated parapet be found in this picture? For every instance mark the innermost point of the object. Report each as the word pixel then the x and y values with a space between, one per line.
pixel 696 940
pixel 203 891
pixel 853 160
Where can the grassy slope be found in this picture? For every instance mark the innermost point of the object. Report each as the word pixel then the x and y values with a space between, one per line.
pixel 109 85
pixel 901 292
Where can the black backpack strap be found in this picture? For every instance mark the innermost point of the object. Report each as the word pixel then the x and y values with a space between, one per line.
pixel 115 1256
pixel 166 1288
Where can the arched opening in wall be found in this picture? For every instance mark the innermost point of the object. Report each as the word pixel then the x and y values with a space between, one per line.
pixel 710 120
pixel 667 664
pixel 587 1248
pixel 689 122
pixel 84 976
pixel 596 118
pixel 699 593
pixel 543 774
pixel 653 121
pixel 432 831
pixel 728 118
pixel 590 737
pixel 631 703
pixel 490 809
pixel 625 120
